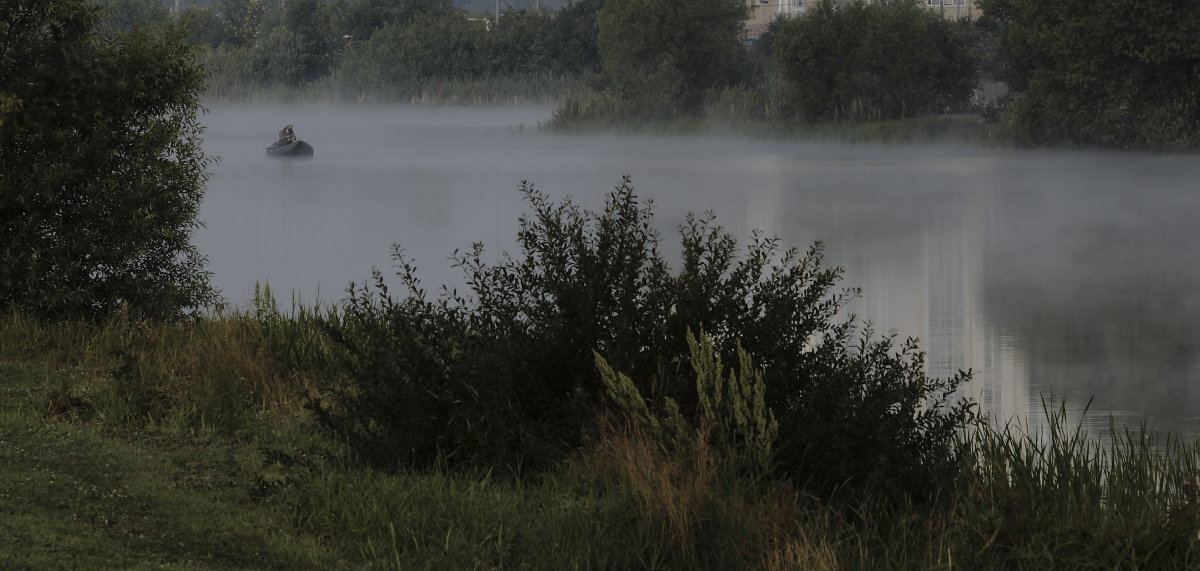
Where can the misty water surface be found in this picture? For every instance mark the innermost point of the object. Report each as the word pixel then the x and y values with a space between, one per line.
pixel 1065 275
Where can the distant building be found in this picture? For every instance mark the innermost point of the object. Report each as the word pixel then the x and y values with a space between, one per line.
pixel 955 9
pixel 762 12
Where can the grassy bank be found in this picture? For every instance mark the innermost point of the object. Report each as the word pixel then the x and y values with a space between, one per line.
pixel 960 129
pixel 209 460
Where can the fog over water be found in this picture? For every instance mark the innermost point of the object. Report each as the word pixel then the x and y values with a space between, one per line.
pixel 1068 275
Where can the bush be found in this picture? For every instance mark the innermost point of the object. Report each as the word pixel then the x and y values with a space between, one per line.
pixel 505 375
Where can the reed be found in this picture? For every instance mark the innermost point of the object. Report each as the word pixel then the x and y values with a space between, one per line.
pixel 1059 496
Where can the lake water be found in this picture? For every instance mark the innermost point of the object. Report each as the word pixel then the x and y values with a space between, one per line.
pixel 1060 276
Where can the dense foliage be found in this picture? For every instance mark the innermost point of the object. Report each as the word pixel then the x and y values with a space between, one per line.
pixel 388 50
pixel 101 170
pixel 665 57
pixel 398 59
pixel 872 61
pixel 506 375
pixel 1114 73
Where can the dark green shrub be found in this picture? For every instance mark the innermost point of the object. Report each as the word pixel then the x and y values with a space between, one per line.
pixel 506 374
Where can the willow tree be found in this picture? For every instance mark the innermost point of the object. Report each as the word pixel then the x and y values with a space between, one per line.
pixel 101 166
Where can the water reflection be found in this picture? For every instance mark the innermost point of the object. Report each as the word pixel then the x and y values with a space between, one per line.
pixel 1062 275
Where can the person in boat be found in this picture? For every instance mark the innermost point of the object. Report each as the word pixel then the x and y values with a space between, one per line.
pixel 287 135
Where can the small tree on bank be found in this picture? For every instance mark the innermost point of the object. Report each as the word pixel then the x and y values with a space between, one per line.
pixel 101 170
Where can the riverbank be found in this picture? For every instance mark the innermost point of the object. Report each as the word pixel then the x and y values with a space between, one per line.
pixel 962 128
pixel 132 445
pixel 949 129
pixel 527 89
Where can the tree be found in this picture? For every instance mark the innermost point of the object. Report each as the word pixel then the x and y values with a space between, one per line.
pixel 1109 73
pixel 577 30
pixel 360 19
pixel 124 15
pixel 101 169
pixel 399 59
pixel 883 60
pixel 672 53
pixel 300 49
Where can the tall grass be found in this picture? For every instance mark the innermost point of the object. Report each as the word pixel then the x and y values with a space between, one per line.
pixel 1053 497
pixel 1059 497
pixel 622 504
pixel 213 374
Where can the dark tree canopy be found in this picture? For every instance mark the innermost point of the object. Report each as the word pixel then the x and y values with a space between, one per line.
pixel 101 169
pixel 1117 73
pixel 672 52
pixel 883 60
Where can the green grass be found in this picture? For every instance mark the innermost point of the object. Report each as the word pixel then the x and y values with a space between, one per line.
pixel 89 480
pixel 75 495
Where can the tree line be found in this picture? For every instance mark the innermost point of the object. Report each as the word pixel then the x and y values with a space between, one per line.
pixel 1077 73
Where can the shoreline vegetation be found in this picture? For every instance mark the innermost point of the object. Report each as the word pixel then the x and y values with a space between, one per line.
pixel 466 431
pixel 951 128
pixel 567 96
pixel 130 444
pixel 834 72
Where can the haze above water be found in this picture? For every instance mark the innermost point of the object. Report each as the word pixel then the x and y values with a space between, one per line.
pixel 1065 275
